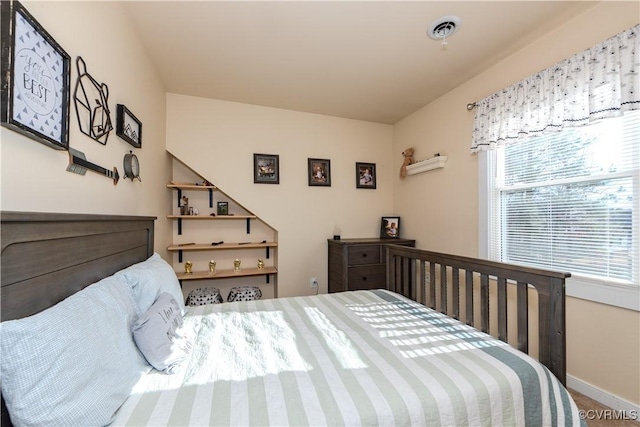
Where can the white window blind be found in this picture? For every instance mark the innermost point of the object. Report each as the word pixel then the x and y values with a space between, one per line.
pixel 570 200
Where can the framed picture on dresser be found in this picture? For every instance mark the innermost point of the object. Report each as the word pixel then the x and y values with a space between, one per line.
pixel 390 227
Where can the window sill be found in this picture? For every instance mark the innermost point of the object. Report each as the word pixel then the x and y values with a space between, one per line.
pixel 619 296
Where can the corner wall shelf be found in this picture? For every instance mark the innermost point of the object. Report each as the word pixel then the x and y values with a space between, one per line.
pixel 186 186
pixel 207 225
pixel 248 218
pixel 427 165
pixel 189 186
pixel 213 218
pixel 220 246
pixel 225 274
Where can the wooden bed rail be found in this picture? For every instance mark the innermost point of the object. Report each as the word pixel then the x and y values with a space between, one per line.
pixel 407 275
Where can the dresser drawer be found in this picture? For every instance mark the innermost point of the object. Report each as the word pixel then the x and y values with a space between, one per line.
pixel 358 255
pixel 356 264
pixel 367 277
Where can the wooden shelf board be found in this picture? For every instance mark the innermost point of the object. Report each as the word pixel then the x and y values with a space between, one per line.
pixel 209 217
pixel 225 274
pixel 225 246
pixel 186 186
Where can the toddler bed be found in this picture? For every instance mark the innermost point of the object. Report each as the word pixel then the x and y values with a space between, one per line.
pixel 355 358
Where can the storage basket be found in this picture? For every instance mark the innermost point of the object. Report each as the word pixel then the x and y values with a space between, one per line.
pixel 244 293
pixel 202 296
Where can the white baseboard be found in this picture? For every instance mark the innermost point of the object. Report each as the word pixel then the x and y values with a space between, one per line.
pixel 604 397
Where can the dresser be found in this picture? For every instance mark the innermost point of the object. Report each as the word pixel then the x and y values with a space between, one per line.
pixel 356 264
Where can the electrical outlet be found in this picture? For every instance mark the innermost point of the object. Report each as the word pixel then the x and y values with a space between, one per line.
pixel 313 282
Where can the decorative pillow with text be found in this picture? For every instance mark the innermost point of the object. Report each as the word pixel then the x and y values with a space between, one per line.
pixel 161 335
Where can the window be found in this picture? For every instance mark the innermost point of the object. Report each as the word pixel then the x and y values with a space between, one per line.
pixel 569 201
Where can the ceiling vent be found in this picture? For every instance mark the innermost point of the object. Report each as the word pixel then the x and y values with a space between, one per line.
pixel 443 28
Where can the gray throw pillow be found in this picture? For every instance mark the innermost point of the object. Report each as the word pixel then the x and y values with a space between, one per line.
pixel 161 336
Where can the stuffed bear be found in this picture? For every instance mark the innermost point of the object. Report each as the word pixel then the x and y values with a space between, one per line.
pixel 408 160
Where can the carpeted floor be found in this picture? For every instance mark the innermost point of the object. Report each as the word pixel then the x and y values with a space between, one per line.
pixel 598 415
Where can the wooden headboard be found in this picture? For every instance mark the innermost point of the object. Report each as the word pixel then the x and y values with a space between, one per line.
pixel 47 257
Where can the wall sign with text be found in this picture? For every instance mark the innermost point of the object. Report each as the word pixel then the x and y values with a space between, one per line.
pixel 35 79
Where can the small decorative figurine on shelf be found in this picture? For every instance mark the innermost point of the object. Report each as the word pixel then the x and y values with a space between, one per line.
pixel 408 160
pixel 212 266
pixel 236 265
pixel 260 264
pixel 187 267
pixel 184 205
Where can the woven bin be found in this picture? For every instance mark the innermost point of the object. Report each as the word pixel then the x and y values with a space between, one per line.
pixel 244 293
pixel 202 296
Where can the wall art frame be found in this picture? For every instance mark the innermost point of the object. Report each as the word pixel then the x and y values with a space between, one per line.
pixel 319 172
pixel 266 168
pixel 92 105
pixel 390 227
pixel 366 175
pixel 35 79
pixel 128 127
pixel 223 208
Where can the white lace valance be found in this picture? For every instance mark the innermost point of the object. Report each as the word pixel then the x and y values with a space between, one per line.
pixel 602 81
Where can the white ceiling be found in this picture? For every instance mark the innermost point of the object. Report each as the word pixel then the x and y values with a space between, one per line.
pixel 365 60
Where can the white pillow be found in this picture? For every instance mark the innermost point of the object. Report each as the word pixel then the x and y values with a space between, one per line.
pixel 150 278
pixel 74 363
pixel 161 335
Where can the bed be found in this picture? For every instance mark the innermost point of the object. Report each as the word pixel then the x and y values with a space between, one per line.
pixel 355 358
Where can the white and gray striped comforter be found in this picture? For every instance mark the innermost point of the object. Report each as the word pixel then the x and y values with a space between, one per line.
pixel 354 358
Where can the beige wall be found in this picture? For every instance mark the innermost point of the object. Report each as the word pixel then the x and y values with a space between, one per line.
pixel 34 177
pixel 440 208
pixel 217 140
